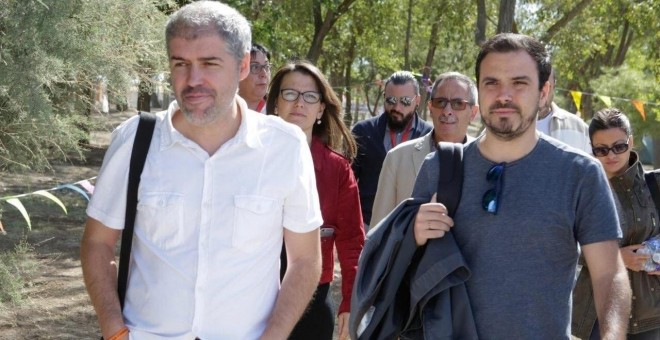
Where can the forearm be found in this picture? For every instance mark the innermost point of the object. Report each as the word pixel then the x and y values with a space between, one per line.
pixel 612 297
pixel 100 275
pixel 298 286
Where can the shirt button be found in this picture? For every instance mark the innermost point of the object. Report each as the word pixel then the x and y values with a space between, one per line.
pixel 638 219
pixel 633 297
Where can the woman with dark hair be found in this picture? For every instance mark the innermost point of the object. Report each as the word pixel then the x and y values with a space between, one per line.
pixel 300 94
pixel 612 141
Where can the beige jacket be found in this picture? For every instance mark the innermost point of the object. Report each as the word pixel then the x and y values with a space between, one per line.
pixel 398 174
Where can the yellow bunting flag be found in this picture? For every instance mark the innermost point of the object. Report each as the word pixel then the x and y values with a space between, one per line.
pixel 639 105
pixel 2 230
pixel 577 98
pixel 607 100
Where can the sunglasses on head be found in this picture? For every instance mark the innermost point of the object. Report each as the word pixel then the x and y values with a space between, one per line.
pixel 405 100
pixel 456 104
pixel 491 198
pixel 617 148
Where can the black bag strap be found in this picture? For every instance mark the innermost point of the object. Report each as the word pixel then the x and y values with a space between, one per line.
pixel 652 183
pixel 141 144
pixel 450 181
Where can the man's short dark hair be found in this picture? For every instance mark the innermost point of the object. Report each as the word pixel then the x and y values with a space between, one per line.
pixel 402 78
pixel 511 42
pixel 259 48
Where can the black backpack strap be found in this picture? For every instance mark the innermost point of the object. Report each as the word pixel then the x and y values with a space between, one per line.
pixel 141 144
pixel 450 181
pixel 652 183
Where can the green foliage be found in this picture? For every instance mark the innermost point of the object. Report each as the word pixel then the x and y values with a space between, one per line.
pixel 16 269
pixel 53 55
pixel 628 83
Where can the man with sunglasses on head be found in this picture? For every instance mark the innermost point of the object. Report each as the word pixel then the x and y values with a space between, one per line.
pixel 527 202
pixel 255 86
pixel 561 124
pixel 376 136
pixel 453 106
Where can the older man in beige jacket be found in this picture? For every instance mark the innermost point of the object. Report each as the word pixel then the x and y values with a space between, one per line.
pixel 453 105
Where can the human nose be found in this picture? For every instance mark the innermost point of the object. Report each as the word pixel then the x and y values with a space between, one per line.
pixel 194 76
pixel 504 94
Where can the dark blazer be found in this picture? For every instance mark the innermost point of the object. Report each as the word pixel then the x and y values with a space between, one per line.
pixel 369 135
pixel 423 300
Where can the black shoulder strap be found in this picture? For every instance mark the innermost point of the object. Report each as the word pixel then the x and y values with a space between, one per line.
pixel 653 187
pixel 141 144
pixel 450 181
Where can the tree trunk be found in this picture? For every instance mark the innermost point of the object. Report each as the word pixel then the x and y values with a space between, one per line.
pixel 427 72
pixel 480 31
pixel 624 44
pixel 561 23
pixel 406 48
pixel 323 26
pixel 144 97
pixel 505 20
pixel 347 81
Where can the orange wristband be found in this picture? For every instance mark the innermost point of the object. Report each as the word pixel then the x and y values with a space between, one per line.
pixel 120 333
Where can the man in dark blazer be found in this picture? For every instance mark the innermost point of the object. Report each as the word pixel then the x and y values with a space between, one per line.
pixel 375 136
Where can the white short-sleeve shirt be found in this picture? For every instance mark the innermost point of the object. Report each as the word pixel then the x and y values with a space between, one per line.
pixel 209 229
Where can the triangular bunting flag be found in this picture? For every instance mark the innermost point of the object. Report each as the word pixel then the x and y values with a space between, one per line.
pixel 639 105
pixel 607 100
pixel 2 230
pixel 87 186
pixel 17 203
pixel 577 98
pixel 51 197
pixel 74 188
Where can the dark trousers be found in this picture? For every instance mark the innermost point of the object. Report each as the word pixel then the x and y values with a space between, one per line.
pixel 318 322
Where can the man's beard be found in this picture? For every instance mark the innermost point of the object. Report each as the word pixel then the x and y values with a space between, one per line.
pixel 503 128
pixel 398 125
pixel 208 115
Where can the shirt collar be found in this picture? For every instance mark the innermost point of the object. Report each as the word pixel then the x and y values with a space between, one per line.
pixel 248 131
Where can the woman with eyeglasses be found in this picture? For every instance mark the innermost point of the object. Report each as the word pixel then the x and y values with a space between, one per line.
pixel 612 141
pixel 300 94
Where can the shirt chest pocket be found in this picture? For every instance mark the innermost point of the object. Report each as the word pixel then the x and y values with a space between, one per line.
pixel 256 219
pixel 160 219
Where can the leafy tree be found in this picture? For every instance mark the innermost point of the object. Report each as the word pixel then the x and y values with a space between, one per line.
pixel 53 56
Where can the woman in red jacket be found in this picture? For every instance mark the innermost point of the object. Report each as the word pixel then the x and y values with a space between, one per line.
pixel 300 94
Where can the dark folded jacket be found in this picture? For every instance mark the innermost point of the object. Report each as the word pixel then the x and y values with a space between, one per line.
pixel 408 292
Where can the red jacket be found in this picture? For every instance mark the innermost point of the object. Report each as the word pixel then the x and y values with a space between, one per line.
pixel 340 208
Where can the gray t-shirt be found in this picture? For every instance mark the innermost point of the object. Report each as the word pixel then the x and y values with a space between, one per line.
pixel 523 259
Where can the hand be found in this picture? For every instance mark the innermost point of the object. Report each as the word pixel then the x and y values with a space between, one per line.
pixel 632 260
pixel 342 325
pixel 431 221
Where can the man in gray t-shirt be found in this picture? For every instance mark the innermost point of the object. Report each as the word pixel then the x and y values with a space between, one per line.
pixel 527 202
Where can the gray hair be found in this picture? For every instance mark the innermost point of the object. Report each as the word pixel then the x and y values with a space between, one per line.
pixel 472 87
pixel 203 17
pixel 403 77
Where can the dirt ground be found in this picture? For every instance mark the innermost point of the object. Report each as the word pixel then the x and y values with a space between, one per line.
pixel 55 304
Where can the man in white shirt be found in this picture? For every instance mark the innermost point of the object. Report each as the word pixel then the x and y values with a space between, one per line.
pixel 221 188
pixel 561 124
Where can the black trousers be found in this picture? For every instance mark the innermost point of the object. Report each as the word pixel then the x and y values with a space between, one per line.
pixel 318 322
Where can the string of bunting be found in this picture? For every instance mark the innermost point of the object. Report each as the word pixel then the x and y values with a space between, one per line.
pixel 639 105
pixel 83 187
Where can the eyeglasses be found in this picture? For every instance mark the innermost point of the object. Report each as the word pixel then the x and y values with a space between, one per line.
pixel 602 151
pixel 456 104
pixel 310 97
pixel 405 100
pixel 256 68
pixel 490 200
